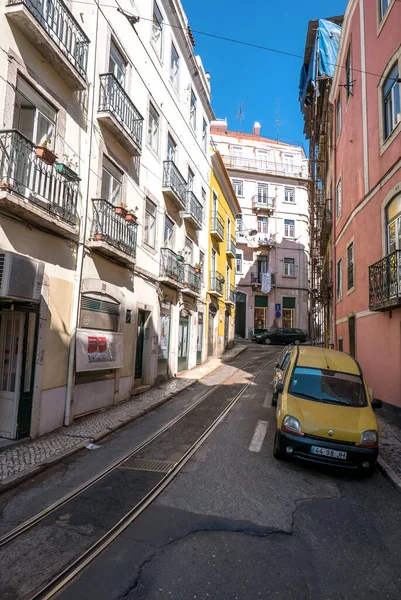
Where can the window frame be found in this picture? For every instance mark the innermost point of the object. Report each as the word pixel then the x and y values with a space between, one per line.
pixel 24 88
pixel 171 143
pixel 338 115
pixel 168 241
pixel 383 13
pixel 390 98
pixel 151 135
pixel 287 223
pixel 120 64
pixel 289 262
pixel 174 61
pixel 238 183
pixel 158 45
pixel 152 220
pixel 288 189
pixel 193 109
pixel 239 259
pixel 339 198
pixel 339 279
pixel 109 166
pixel 348 74
pixel 204 135
pixel 350 265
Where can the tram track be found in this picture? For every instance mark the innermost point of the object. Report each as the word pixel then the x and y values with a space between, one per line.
pixel 37 518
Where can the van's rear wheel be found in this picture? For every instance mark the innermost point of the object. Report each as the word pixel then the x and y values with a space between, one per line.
pixel 277 452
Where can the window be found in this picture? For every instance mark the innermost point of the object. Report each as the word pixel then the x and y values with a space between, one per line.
pixel 393 219
pixel 33 116
pixel 348 74
pixel 262 193
pixel 117 64
pixel 323 385
pixel 340 278
pixel 289 310
pixel 288 160
pixel 339 198
pixel 239 223
pixel 171 149
pixel 237 156
pixel 204 135
pixel 203 196
pixel 150 223
pixel 174 67
pixel 153 128
pixel 112 179
pixel 97 312
pixel 263 159
pixel 262 225
pixel 238 186
pixel 350 266
pixel 341 344
pixel 391 101
pixel 238 262
pixel 383 6
pixel 192 111
pixel 168 232
pixel 338 115
pixel 201 258
pixel 260 315
pixel 228 231
pixel 191 178
pixel 289 267
pixel 289 194
pixel 157 29
pixel 289 228
pixel 188 250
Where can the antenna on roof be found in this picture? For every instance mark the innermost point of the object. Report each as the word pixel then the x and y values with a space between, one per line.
pixel 278 122
pixel 240 115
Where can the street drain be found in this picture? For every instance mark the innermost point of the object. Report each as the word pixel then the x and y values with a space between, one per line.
pixel 146 464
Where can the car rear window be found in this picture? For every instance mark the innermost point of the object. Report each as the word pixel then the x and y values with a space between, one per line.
pixel 331 387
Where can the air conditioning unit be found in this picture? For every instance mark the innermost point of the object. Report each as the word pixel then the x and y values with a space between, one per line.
pixel 20 277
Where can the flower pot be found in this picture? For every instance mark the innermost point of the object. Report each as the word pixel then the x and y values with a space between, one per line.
pixel 180 257
pixel 197 270
pixel 120 210
pixel 66 171
pixel 185 284
pixel 5 186
pixel 98 237
pixel 130 218
pixel 46 155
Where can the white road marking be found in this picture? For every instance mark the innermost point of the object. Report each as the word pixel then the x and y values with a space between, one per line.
pixel 259 436
pixel 267 401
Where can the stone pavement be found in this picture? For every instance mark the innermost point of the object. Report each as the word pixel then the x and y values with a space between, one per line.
pixel 19 462
pixel 390 448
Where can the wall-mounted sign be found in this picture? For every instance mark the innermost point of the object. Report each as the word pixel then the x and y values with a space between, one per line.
pixel 277 307
pixel 98 350
pixel 278 314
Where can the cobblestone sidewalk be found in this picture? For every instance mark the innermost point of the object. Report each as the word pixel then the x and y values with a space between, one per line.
pixel 22 461
pixel 390 450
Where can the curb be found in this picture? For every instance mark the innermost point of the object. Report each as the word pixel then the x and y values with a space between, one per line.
pixel 385 468
pixel 17 478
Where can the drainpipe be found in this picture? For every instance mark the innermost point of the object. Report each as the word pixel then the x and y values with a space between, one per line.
pixel 80 260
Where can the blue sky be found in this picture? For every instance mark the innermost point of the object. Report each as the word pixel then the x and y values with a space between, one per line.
pixel 261 80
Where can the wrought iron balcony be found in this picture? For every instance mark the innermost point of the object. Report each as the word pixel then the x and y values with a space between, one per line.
pixel 217 226
pixel 192 280
pixel 111 234
pixel 34 189
pixel 119 114
pixel 263 166
pixel 263 203
pixel 194 210
pixel 230 294
pixel 265 239
pixel 216 284
pixel 385 282
pixel 56 34
pixel 231 249
pixel 256 278
pixel 172 269
pixel 174 184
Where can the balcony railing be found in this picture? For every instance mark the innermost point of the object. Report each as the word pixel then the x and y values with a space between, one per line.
pixel 193 210
pixel 263 202
pixel 385 282
pixel 61 26
pixel 230 294
pixel 171 267
pixel 265 239
pixel 217 226
pixel 231 246
pixel 173 181
pixel 23 173
pixel 113 229
pixel 115 100
pixel 192 280
pixel 256 278
pixel 217 283
pixel 262 166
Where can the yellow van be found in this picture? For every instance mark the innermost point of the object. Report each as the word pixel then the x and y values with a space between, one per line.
pixel 324 412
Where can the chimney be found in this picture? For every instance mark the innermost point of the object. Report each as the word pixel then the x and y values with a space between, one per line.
pixel 256 129
pixel 218 126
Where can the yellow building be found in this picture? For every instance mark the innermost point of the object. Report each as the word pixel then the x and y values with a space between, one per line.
pixel 224 208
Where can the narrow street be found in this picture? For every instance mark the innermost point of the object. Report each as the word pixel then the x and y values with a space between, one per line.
pixel 233 524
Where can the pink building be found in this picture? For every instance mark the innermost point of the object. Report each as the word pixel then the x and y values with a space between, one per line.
pixel 366 175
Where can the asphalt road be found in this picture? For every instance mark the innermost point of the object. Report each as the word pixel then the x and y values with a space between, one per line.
pixel 236 523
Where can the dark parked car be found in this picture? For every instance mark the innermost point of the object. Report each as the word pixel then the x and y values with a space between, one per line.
pixel 257 335
pixel 282 335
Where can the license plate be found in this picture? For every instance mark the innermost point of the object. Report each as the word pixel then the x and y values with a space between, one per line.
pixel 328 452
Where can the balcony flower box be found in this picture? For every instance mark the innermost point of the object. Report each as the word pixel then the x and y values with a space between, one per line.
pixel 121 211
pixel 131 218
pixel 46 155
pixel 66 171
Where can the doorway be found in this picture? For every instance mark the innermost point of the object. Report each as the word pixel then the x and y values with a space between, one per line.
pixel 183 338
pixel 199 340
pixel 352 336
pixel 210 329
pixel 18 334
pixel 139 343
pixel 226 328
pixel 240 314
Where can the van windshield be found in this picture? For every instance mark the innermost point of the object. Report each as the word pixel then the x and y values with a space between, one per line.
pixel 331 387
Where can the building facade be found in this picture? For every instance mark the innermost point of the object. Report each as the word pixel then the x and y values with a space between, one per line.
pixel 271 182
pixel 224 209
pixel 367 178
pixel 104 202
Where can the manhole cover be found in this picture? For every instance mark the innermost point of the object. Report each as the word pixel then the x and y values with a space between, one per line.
pixel 147 464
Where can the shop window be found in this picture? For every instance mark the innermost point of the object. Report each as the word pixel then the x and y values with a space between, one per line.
pixel 289 309
pixel 261 312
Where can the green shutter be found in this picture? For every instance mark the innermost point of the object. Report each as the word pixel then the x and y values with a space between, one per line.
pixel 288 302
pixel 261 301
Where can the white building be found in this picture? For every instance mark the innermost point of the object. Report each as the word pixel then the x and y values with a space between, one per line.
pixel 270 179
pixel 96 304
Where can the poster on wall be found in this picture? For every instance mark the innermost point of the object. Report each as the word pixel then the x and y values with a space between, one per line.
pixel 164 336
pixel 98 350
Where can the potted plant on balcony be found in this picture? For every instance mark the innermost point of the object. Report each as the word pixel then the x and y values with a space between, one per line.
pixel 131 217
pixel 66 168
pixel 43 152
pixel 198 267
pixel 121 210
pixel 180 255
pixel 5 185
pixel 98 236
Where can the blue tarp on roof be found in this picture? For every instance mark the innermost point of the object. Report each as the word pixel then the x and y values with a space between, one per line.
pixel 323 59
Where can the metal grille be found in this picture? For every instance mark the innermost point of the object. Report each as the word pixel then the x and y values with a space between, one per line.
pixel 2 258
pixel 147 464
pixel 22 277
pixel 98 305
